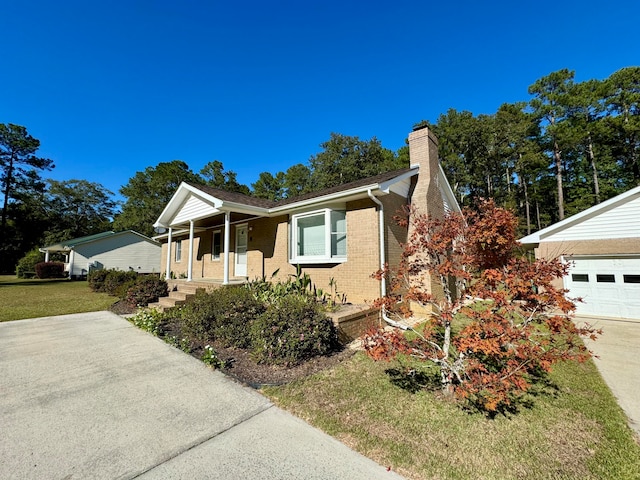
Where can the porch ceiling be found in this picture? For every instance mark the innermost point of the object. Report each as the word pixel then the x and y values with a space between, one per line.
pixel 213 221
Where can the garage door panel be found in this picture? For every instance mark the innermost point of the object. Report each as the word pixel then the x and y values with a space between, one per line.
pixel 609 286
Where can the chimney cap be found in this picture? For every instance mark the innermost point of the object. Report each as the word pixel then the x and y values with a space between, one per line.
pixel 420 125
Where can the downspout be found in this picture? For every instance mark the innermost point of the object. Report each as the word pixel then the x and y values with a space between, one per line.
pixel 383 282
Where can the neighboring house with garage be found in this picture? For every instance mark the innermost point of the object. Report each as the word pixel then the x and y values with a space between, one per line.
pixel 602 244
pixel 343 234
pixel 126 250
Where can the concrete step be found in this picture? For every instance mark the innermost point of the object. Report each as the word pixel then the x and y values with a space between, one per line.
pixel 179 295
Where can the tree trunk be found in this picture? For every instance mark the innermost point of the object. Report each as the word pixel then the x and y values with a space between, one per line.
pixel 538 214
pixel 7 192
pixel 558 160
pixel 592 158
pixel 527 207
pixel 446 375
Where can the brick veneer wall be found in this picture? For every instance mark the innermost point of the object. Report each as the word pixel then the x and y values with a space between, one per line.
pixel 353 277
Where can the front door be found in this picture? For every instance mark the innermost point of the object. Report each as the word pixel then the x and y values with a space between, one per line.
pixel 241 251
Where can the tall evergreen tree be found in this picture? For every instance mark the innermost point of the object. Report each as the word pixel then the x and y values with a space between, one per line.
pixel 550 105
pixel 148 192
pixel 19 176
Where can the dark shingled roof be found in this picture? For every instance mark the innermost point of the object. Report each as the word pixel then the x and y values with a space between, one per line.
pixel 264 203
pixel 235 197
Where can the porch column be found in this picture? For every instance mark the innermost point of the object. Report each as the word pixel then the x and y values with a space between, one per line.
pixel 190 265
pixel 227 227
pixel 167 275
pixel 71 255
pixel 46 255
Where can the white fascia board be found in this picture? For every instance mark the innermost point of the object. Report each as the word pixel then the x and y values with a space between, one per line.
pixel 540 235
pixel 161 221
pixel 448 191
pixel 178 200
pixel 384 186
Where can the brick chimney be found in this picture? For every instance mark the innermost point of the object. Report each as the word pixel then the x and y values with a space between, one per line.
pixel 426 197
pixel 423 153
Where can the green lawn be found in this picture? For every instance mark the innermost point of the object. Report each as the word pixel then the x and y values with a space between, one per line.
pixel 575 431
pixel 22 298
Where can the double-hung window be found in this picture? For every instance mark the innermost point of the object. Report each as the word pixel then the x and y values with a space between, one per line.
pixel 178 250
pixel 319 237
pixel 216 245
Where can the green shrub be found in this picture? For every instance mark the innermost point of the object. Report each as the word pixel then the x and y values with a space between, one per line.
pixel 270 291
pixel 96 279
pixel 118 282
pixel 27 264
pixel 146 289
pixel 112 281
pixel 50 270
pixel 292 329
pixel 224 314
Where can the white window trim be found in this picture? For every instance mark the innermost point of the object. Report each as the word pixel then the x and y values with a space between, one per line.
pixel 213 234
pixel 294 258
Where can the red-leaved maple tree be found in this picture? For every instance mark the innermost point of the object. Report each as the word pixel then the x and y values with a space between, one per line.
pixel 497 321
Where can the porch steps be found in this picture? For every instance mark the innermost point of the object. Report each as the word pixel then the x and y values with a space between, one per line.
pixel 181 291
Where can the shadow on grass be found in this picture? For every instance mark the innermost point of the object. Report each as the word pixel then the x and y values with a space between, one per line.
pixel 33 281
pixel 414 381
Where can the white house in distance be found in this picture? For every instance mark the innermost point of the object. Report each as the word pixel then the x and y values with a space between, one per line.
pixel 603 245
pixel 126 250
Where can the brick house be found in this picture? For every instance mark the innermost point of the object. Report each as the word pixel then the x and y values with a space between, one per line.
pixel 602 245
pixel 343 233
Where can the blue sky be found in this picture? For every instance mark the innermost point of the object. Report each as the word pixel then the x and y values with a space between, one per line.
pixel 110 88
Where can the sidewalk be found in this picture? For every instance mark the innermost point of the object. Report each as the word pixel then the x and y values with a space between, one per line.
pixel 91 396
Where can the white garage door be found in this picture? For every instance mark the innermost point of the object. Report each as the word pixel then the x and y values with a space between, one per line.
pixel 609 286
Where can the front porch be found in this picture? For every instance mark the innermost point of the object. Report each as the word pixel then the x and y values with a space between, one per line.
pixel 181 290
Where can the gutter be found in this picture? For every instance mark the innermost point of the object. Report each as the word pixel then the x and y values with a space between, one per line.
pixel 383 281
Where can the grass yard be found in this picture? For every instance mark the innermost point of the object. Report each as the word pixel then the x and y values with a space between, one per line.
pixel 22 298
pixel 575 431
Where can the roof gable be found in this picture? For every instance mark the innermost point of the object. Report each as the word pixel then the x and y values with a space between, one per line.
pixel 74 242
pixel 618 217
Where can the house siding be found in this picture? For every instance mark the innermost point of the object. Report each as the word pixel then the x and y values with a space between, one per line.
pixel 122 252
pixel 619 223
pixel 194 208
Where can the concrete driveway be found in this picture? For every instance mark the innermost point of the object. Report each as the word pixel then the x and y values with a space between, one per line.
pixel 617 353
pixel 90 396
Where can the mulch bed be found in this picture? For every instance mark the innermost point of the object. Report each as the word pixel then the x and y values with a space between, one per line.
pixel 242 367
pixel 122 307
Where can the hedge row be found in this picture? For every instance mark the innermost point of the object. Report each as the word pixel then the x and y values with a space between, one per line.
pixel 137 290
